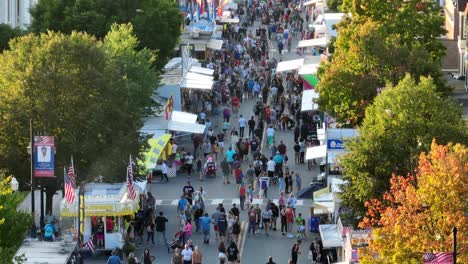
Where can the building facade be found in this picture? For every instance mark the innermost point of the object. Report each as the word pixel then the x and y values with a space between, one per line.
pixel 16 12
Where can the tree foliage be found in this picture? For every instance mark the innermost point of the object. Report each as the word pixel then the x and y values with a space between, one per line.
pixel 401 123
pixel 378 43
pixel 418 213
pixel 6 34
pixel 157 23
pixel 72 89
pixel 13 224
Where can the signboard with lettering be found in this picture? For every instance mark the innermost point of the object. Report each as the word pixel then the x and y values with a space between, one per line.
pixel 335 144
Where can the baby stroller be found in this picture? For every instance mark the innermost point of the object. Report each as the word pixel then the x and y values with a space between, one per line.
pixel 177 241
pixel 210 169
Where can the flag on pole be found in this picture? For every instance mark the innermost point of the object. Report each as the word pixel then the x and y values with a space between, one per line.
pixel 438 258
pixel 69 183
pixel 90 244
pixel 169 106
pixel 130 187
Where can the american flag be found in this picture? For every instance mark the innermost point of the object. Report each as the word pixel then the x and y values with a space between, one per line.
pixel 438 258
pixel 130 186
pixel 69 183
pixel 90 244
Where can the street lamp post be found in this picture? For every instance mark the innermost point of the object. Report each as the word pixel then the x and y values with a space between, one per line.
pixel 31 154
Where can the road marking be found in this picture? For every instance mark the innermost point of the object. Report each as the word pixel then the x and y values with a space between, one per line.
pixel 159 202
pixel 300 202
pixel 242 238
pixel 275 201
pixel 174 202
pixel 216 201
pixel 257 201
pixel 236 201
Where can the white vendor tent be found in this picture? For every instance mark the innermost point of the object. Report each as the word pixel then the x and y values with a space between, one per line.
pixel 331 237
pixel 215 44
pixel 309 68
pixel 316 152
pixel 311 2
pixel 201 70
pixel 322 42
pixel 185 122
pixel 289 65
pixel 198 77
pixel 196 84
pixel 308 100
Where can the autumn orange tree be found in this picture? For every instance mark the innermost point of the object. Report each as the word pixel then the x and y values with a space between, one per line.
pixel 418 213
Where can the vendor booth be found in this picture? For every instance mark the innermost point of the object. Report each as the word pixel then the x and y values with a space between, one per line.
pixel 185 122
pixel 308 102
pixel 289 65
pixel 109 203
pixel 316 42
pixel 201 70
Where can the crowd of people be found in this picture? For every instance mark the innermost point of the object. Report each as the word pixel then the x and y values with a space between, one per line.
pixel 232 143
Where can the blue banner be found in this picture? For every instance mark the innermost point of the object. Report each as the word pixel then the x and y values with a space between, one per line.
pixel 335 144
pixel 44 156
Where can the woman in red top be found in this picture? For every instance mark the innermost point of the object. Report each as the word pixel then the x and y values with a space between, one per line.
pixel 289 220
pixel 242 193
pixel 235 104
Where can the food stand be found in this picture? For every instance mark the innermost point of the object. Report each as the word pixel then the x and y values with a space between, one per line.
pixel 108 201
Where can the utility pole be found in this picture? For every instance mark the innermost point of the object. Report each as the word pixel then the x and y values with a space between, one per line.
pixel 31 142
pixel 455 230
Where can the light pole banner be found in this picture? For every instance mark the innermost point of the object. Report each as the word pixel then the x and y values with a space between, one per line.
pixel 44 157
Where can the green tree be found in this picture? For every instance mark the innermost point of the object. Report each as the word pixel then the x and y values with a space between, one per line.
pixel 136 66
pixel 379 42
pixel 6 34
pixel 157 23
pixel 13 224
pixel 72 90
pixel 400 124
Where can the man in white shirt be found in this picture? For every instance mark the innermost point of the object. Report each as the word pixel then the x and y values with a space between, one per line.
pixel 164 170
pixel 187 254
pixel 274 94
pixel 271 168
pixel 242 124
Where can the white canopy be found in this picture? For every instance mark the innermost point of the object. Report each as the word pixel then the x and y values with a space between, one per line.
pixel 330 236
pixel 215 44
pixel 198 77
pixel 316 152
pixel 289 65
pixel 186 127
pixel 308 100
pixel 324 207
pixel 230 20
pixel 196 84
pixel 313 42
pixel 309 68
pixel 201 70
pixel 311 2
pixel 183 117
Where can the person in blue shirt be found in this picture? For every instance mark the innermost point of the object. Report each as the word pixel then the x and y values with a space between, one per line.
pixel 182 204
pixel 49 231
pixel 230 155
pixel 278 159
pixel 205 224
pixel 114 259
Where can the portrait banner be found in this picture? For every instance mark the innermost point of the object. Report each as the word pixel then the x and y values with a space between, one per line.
pixel 44 157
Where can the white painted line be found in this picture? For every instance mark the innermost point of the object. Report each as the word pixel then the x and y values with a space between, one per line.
pixel 236 201
pixel 275 201
pixel 300 202
pixel 159 202
pixel 257 201
pixel 175 202
pixel 216 201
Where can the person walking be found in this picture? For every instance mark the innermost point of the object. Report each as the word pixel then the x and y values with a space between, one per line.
pixel 226 169
pixel 266 217
pixel 242 125
pixel 150 232
pixel 297 153
pixel 284 221
pixel 295 251
pixel 242 196
pixel 205 225
pixel 232 252
pixel 251 124
pixel 147 258
pixel 197 256
pixel 252 220
pixel 187 254
pixel 177 257
pixel 222 253
pixel 187 231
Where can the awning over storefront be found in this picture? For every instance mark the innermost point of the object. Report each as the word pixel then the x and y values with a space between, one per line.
pixel 322 42
pixel 316 152
pixel 308 100
pixel 289 65
pixel 215 44
pixel 201 70
pixel 183 117
pixel 330 236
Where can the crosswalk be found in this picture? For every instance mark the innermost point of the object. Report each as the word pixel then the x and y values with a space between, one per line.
pixel 216 201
